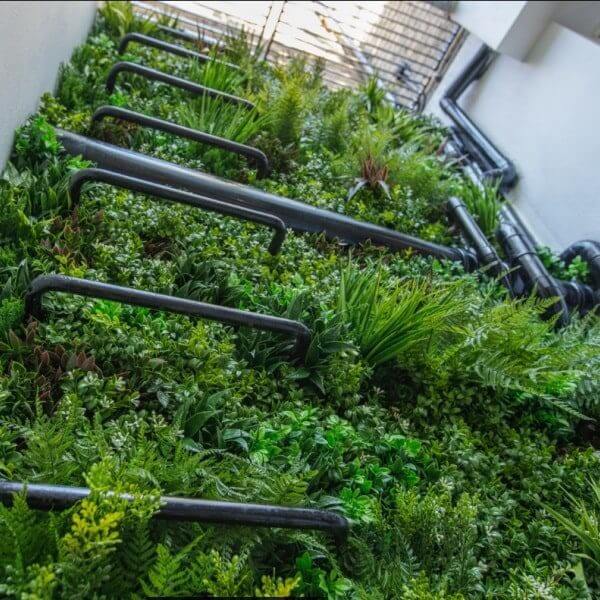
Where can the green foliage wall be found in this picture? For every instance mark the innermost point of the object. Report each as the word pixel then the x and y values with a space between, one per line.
pixel 445 421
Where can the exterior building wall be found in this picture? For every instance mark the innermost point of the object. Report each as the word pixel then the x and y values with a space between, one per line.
pixel 542 112
pixel 35 37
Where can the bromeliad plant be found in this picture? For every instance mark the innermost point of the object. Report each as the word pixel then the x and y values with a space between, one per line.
pixel 375 159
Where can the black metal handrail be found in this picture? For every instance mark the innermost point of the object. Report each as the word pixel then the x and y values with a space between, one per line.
pixel 172 80
pixel 174 508
pixel 252 154
pixel 147 40
pixel 297 215
pixel 188 36
pixel 80 178
pixel 96 289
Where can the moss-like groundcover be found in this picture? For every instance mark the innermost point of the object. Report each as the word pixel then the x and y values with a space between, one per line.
pixel 448 423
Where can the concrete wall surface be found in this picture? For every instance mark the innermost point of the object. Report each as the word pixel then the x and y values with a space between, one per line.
pixel 543 113
pixel 35 37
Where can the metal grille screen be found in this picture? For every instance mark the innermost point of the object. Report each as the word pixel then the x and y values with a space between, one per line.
pixel 407 45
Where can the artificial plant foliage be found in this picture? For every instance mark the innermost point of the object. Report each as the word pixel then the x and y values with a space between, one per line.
pixel 448 423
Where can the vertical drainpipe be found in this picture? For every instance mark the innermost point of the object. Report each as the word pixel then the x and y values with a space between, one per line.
pixel 480 144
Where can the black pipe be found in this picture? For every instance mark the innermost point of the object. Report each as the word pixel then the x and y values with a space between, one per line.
pixel 79 178
pixel 146 40
pixel 172 80
pixel 182 34
pixel 173 508
pixel 96 289
pixel 503 168
pixel 253 154
pixel 588 251
pixel 486 253
pixel 532 271
pixel 295 214
pixel 579 296
pixel 509 215
pixel 188 36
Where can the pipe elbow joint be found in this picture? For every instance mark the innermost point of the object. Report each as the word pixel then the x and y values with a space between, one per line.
pixel 588 251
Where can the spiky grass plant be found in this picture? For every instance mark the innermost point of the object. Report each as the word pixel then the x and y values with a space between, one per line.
pixel 213 115
pixel 372 95
pixel 584 524
pixel 217 74
pixel 120 19
pixel 484 203
pixel 390 322
pixel 419 131
pixel 246 50
pixel 222 119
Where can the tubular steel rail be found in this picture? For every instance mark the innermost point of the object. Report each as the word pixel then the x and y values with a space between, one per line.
pixel 147 40
pixel 49 497
pixel 253 154
pixel 80 178
pixel 173 81
pixel 187 36
pixel 231 316
pixel 295 214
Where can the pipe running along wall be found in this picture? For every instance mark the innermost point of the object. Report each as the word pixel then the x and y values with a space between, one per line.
pixel 200 37
pixel 486 162
pixel 473 139
pixel 174 508
pixel 532 271
pixel 577 295
pixel 230 316
pixel 486 253
pixel 173 81
pixel 80 178
pixel 147 40
pixel 295 214
pixel 589 252
pixel 252 154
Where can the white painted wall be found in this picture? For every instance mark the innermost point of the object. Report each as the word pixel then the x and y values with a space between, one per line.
pixel 508 26
pixel 544 114
pixel 35 37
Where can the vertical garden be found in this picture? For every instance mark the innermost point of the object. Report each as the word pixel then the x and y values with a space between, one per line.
pixel 448 425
